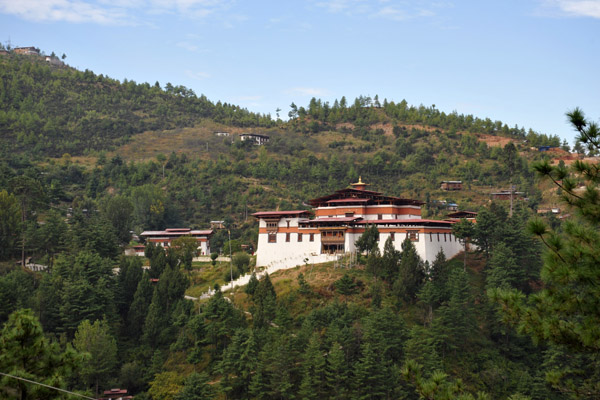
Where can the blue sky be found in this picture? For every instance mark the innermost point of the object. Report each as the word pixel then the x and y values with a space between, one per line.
pixel 522 62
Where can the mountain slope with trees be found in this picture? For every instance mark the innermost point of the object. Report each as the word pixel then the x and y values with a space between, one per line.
pixel 391 326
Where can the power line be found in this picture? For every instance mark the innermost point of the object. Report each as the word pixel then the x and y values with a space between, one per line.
pixel 48 386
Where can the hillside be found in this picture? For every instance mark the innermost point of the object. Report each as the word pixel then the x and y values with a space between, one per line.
pixel 86 159
pixel 120 136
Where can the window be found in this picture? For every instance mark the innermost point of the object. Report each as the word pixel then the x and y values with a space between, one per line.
pixel 287 237
pixel 445 237
pixel 288 223
pixel 272 238
pixel 299 237
pixel 438 235
pixel 312 237
pixel 430 237
pixel 272 224
pixel 393 235
pixel 413 235
pixel 379 216
pixel 350 214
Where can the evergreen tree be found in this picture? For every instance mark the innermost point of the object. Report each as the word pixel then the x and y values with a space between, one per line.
pixel 10 226
pixel 367 242
pixel 25 352
pixel 455 324
pixel 221 320
pixel 565 312
pixel 411 274
pixel 196 387
pixel 464 230
pixel 239 364
pixel 390 261
pixel 96 340
pixel 130 274
pixel 156 321
pixel 265 303
pixel 438 275
pixel 346 285
pixel 336 373
pixel 312 385
pixel 370 380
pixel 139 306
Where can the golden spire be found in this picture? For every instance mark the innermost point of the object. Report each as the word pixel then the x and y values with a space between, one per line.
pixel 360 185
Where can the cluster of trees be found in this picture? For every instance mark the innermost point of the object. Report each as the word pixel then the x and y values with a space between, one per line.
pixel 399 328
pixel 364 111
pixel 49 110
pixel 98 328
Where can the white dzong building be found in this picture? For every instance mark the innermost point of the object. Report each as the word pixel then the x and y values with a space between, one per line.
pixel 290 238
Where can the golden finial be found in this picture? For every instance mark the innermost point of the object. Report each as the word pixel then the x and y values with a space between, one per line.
pixel 360 185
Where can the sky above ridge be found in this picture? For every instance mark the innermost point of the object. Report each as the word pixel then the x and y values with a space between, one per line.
pixel 523 62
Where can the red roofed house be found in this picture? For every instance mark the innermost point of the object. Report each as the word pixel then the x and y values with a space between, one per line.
pixel 288 238
pixel 164 238
pixel 116 394
pixel 29 51
pixel 458 215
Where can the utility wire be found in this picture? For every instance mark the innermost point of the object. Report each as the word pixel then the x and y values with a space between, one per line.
pixel 48 386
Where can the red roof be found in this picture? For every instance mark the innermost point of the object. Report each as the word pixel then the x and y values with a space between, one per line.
pixel 408 221
pixel 334 219
pixel 177 232
pixel 280 213
pixel 373 198
pixel 116 391
pixel 348 200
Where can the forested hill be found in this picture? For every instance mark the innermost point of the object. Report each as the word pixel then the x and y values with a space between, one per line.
pixel 85 160
pixel 154 145
pixel 51 110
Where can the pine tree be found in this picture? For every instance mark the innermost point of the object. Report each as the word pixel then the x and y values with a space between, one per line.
pixel 265 303
pixel 312 385
pixel 367 242
pixel 390 261
pixel 336 372
pixel 455 321
pixel 239 364
pixel 156 321
pixel 345 285
pixel 196 387
pixel 139 306
pixel 25 352
pixel 96 340
pixel 370 382
pixel 411 275
pixel 565 313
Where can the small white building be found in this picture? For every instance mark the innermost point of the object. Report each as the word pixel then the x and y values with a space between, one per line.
pixel 257 138
pixel 290 238
pixel 164 238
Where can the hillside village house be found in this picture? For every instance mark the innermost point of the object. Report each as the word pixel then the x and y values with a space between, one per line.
pixel 290 238
pixel 451 185
pixel 458 215
pixel 506 195
pixel 30 51
pixel 255 137
pixel 166 237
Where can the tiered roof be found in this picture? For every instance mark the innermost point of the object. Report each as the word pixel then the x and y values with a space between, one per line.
pixel 361 197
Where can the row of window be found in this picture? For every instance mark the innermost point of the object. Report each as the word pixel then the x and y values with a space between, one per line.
pixel 412 235
pixel 272 237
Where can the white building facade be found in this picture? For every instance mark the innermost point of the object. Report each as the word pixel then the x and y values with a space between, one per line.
pixel 164 238
pixel 290 238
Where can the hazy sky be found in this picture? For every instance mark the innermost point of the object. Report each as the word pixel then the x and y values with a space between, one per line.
pixel 523 62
